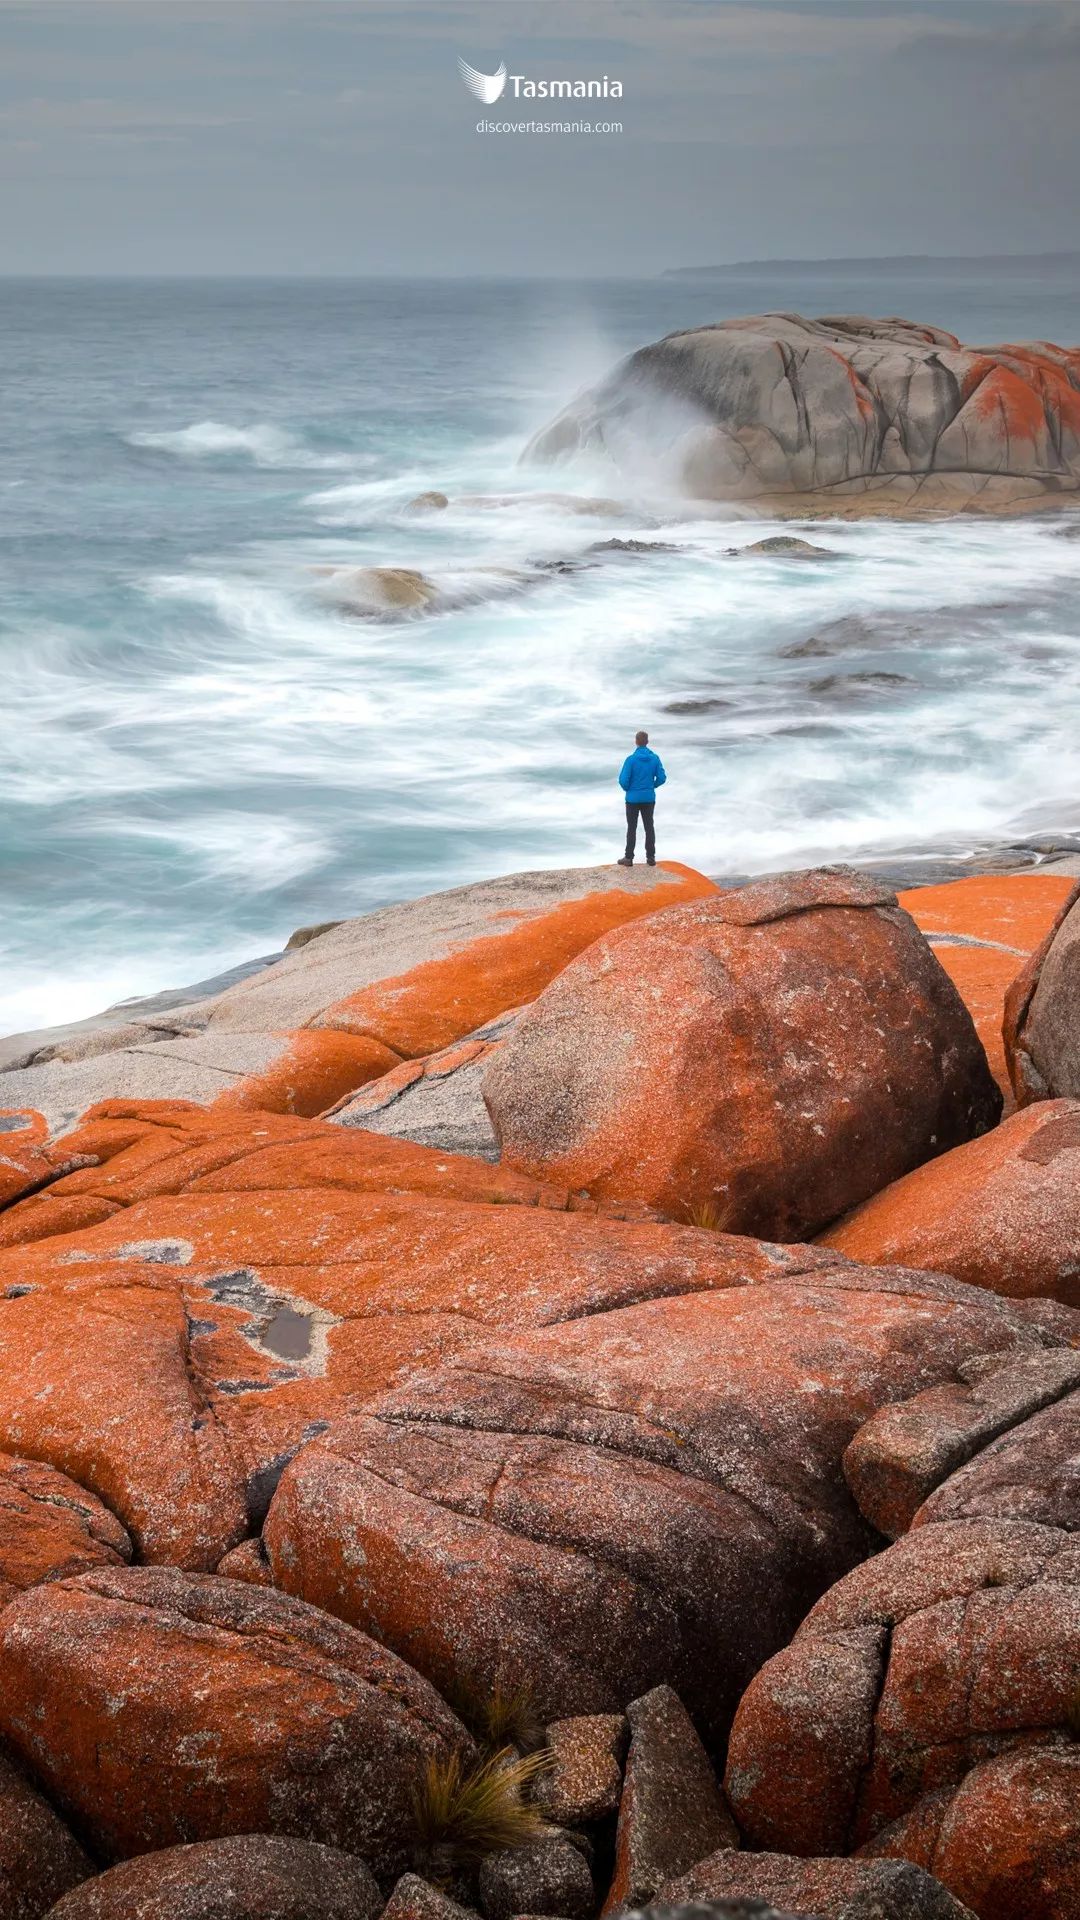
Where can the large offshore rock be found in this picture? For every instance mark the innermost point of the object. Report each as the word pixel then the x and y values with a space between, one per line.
pixel 848 412
pixel 158 1707
pixel 926 1709
pixel 628 1498
pixel 347 1005
pixel 762 1060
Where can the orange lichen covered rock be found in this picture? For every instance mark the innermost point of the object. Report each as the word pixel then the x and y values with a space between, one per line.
pixel 27 1161
pixel 1002 1211
pixel 441 999
pixel 312 1071
pixel 51 1528
pixel 250 1876
pixel 171 1356
pixel 633 1497
pixel 127 1152
pixel 1042 1013
pixel 769 1057
pixel 340 1009
pixel 984 930
pixel 1009 1842
pixel 97 1381
pixel 672 1812
pixel 40 1860
pixel 1029 1472
pixel 977 1632
pixel 824 1889
pixel 157 1706
pixel 910 1447
pixel 438 1100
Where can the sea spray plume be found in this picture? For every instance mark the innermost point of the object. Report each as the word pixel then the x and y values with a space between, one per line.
pixel 486 86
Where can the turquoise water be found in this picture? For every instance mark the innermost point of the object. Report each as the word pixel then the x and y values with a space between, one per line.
pixel 202 749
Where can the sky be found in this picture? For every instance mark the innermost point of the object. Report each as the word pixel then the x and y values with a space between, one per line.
pixel 336 136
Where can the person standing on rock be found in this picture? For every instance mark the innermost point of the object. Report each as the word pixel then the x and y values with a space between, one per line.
pixel 642 772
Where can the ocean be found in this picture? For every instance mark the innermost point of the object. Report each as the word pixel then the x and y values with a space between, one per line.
pixel 202 749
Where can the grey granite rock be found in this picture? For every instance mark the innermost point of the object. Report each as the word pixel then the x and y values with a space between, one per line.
pixel 848 412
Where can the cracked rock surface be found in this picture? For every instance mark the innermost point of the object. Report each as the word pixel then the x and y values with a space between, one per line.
pixel 847 412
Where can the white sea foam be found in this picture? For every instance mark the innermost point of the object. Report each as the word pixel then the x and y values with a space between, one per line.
pixel 263 444
pixel 203 750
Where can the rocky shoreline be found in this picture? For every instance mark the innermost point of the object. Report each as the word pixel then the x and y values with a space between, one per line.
pixel 553 1399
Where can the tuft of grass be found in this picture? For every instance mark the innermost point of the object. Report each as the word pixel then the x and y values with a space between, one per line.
pixel 707 1216
pixel 462 1814
pixel 508 1718
pixel 501 1715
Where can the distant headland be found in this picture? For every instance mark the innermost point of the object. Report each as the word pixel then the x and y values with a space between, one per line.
pixel 883 263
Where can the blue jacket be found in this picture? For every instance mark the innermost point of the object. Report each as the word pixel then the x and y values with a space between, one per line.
pixel 642 773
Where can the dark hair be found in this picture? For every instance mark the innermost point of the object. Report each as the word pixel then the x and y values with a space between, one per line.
pixel 641 739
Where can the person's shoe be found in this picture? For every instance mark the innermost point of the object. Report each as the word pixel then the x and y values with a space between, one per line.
pixel 625 863
pixel 650 863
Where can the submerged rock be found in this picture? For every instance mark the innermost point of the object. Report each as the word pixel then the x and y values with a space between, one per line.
pixel 846 413
pixel 432 502
pixel 786 547
pixel 633 546
pixel 705 705
pixel 377 590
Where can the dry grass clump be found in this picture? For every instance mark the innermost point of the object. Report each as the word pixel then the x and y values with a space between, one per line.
pixel 707 1216
pixel 464 1813
pixel 503 1715
pixel 508 1718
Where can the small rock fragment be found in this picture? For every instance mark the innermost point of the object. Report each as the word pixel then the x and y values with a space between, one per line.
pixel 416 1899
pixel 549 1876
pixel 247 1562
pixel 672 1810
pixel 584 1779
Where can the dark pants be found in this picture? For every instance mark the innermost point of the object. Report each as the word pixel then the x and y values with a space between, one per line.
pixel 646 808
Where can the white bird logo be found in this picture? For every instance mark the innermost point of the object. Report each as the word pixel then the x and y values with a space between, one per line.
pixel 486 86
